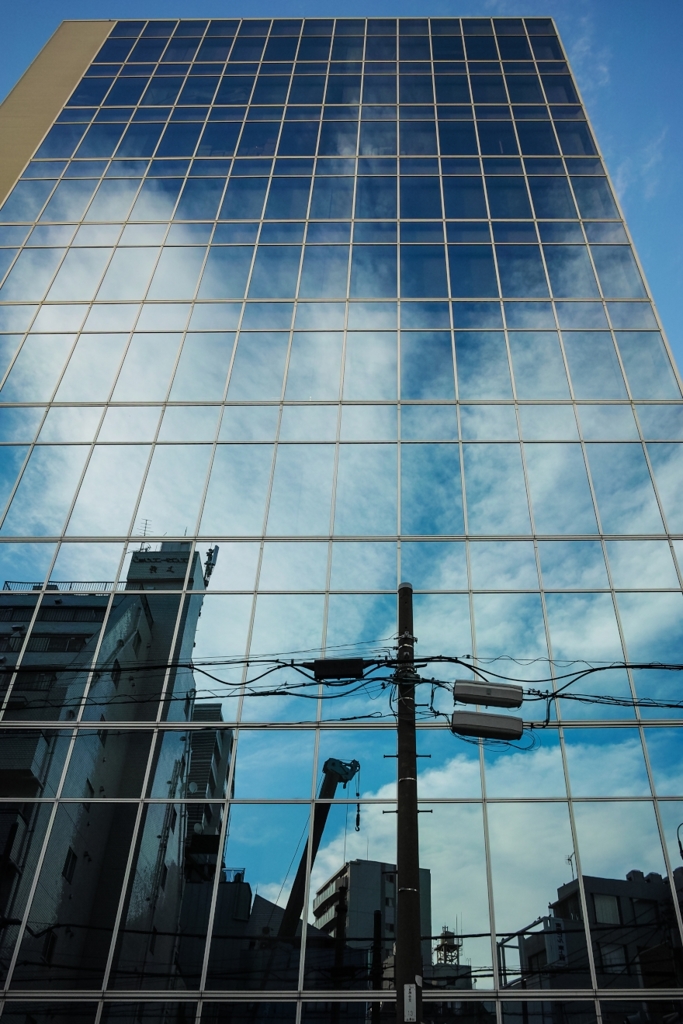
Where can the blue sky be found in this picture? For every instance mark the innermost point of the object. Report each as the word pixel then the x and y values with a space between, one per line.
pixel 625 55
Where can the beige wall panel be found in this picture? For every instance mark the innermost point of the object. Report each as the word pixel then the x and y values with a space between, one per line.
pixel 40 93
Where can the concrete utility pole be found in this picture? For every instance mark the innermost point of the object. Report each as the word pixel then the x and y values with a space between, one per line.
pixel 408 956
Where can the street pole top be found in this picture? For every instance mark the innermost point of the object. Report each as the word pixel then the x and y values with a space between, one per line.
pixel 404 586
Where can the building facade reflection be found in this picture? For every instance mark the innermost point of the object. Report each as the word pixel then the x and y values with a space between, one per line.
pixel 351 300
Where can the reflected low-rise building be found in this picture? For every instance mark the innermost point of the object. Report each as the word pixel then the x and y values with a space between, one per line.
pixel 632 923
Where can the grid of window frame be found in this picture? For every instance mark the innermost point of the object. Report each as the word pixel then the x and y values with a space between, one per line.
pixel 481 426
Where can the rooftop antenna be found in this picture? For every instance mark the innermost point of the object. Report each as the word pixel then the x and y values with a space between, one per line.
pixel 570 861
pixel 145 530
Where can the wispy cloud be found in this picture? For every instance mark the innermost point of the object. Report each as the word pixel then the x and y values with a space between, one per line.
pixel 590 59
pixel 641 174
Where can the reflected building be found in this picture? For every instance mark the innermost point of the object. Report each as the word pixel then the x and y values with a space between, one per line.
pixel 111 655
pixel 346 905
pixel 634 938
pixel 354 300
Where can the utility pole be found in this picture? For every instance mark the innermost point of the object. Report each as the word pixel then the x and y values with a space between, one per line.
pixel 408 948
pixel 408 955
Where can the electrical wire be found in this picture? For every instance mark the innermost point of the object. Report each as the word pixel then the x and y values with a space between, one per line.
pixel 372 684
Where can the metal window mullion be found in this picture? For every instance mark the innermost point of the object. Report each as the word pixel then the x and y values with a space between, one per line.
pixel 92 669
pixel 662 834
pixel 311 819
pixel 583 899
pixel 259 564
pixel 209 471
pixel 132 856
pixel 253 257
pixel 132 852
pixel 22 248
pixel 183 337
pixel 653 481
pixel 171 648
pixel 337 447
pixel 617 616
pixel 31 448
pixel 20 656
pixel 486 835
pixel 30 896
pixel 136 505
pixel 222 843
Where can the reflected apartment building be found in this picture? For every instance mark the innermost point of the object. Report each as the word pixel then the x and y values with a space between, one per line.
pixel 353 301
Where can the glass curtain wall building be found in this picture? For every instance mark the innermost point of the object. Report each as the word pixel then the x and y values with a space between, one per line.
pixel 290 311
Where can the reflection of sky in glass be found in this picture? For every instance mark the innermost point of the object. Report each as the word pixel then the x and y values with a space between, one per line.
pixel 626 500
pixel 583 626
pixel 494 484
pixel 434 566
pixel 503 565
pixel 193 390
pixel 560 495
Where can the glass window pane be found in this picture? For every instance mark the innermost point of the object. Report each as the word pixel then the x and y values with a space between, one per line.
pixel 667 460
pixel 432 469
pixel 482 363
pixel 37 368
pixel 243 470
pixel 302 490
pixel 593 365
pixel 423 271
pixel 626 500
pixel 107 497
pixel 569 565
pixel 147 368
pixel 521 270
pixel 538 365
pixel 31 274
pixel 284 562
pixel 259 366
pixel 647 365
pixel 202 368
pixel 508 198
pixel 503 565
pixel 173 489
pixel 366 490
pixel 642 564
pixel 426 365
pixel 226 272
pixel 65 872
pixel 177 273
pixel 494 484
pixel 583 626
pixel 45 491
pixel 325 271
pixel 128 273
pixel 560 495
pixel 275 273
pixel 523 837
pixel 472 270
pixel 79 274
pixel 368 423
pixel 570 272
pixel 370 369
pixel 373 271
pixel 607 423
pixel 332 198
pixel 363 565
pixel 314 366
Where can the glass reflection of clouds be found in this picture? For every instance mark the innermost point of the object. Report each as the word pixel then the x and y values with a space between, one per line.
pixel 208 374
